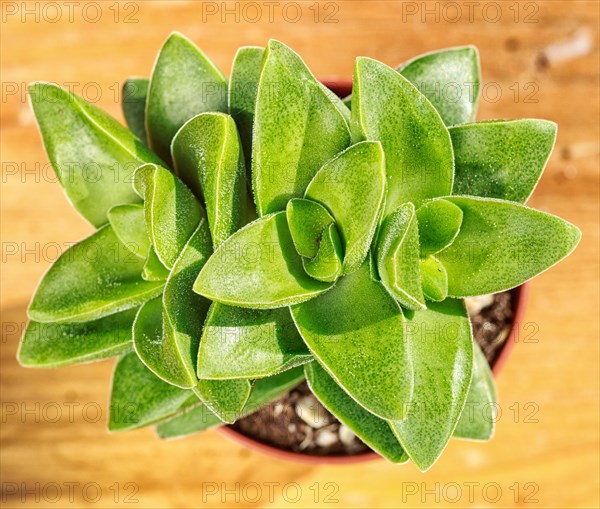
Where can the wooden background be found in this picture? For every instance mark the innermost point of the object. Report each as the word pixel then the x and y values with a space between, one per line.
pixel 56 453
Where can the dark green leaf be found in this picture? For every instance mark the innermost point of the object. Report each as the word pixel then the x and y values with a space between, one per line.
pixel 135 91
pixel 225 398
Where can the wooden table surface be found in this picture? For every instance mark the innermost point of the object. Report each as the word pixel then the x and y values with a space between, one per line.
pixel 55 451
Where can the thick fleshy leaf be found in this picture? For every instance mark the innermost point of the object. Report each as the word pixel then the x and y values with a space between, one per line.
pixel 352 187
pixel 258 267
pixel 140 398
pixel 93 155
pixel 225 398
pixel 184 83
pixel 154 270
pixel 307 221
pixel 439 224
pixel 135 91
pixel 372 430
pixel 442 364
pixel 249 343
pixel 297 128
pixel 62 344
pixel 418 153
pixel 172 213
pixel 434 278
pixel 167 331
pixel 243 86
pixel 327 264
pixel 477 420
pixel 208 157
pixel 264 391
pixel 502 244
pixel 501 158
pixel 449 79
pixel 356 333
pixel 398 257
pixel 127 221
pixel 94 278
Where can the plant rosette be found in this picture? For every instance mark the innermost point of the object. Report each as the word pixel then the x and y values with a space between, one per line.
pixel 256 232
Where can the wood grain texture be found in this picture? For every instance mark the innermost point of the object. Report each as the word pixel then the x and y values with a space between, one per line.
pixel 544 455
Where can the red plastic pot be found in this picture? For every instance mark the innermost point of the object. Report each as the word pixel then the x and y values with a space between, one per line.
pixel 519 296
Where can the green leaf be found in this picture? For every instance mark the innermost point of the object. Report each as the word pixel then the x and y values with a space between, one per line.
pixel 477 420
pixel 501 158
pixel 94 278
pixel 243 87
pixel 439 223
pixel 249 343
pixel 297 128
pixel 184 83
pixel 418 151
pixel 94 156
pixel 127 221
pixel 154 270
pixel 503 244
pixel 307 221
pixel 355 331
pixel 225 398
pixel 434 278
pixel 62 344
pixel 133 104
pixel 172 212
pixel 441 347
pixel 264 391
pixel 208 157
pixel 167 331
pixel 450 79
pixel 327 264
pixel 372 430
pixel 139 398
pixel 398 257
pixel 352 187
pixel 258 267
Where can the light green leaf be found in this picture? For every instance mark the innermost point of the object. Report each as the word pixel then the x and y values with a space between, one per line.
pixel 297 128
pixel 307 220
pixel 434 278
pixel 258 267
pixel 398 257
pixel 352 187
pixel 172 212
pixel 264 391
pixel 133 104
pixel 503 244
pixel 249 343
pixel 94 278
pixel 184 83
pixel 418 152
pixel 450 79
pixel 243 87
pixel 225 398
pixel 501 158
pixel 443 363
pixel 139 398
pixel 439 223
pixel 167 331
pixel 208 157
pixel 477 420
pixel 154 270
pixel 93 155
pixel 355 331
pixel 327 264
pixel 372 430
pixel 62 344
pixel 127 221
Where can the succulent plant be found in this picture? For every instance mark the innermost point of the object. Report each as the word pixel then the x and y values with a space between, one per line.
pixel 255 232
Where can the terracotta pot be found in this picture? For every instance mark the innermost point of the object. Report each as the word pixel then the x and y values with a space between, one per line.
pixel 519 296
